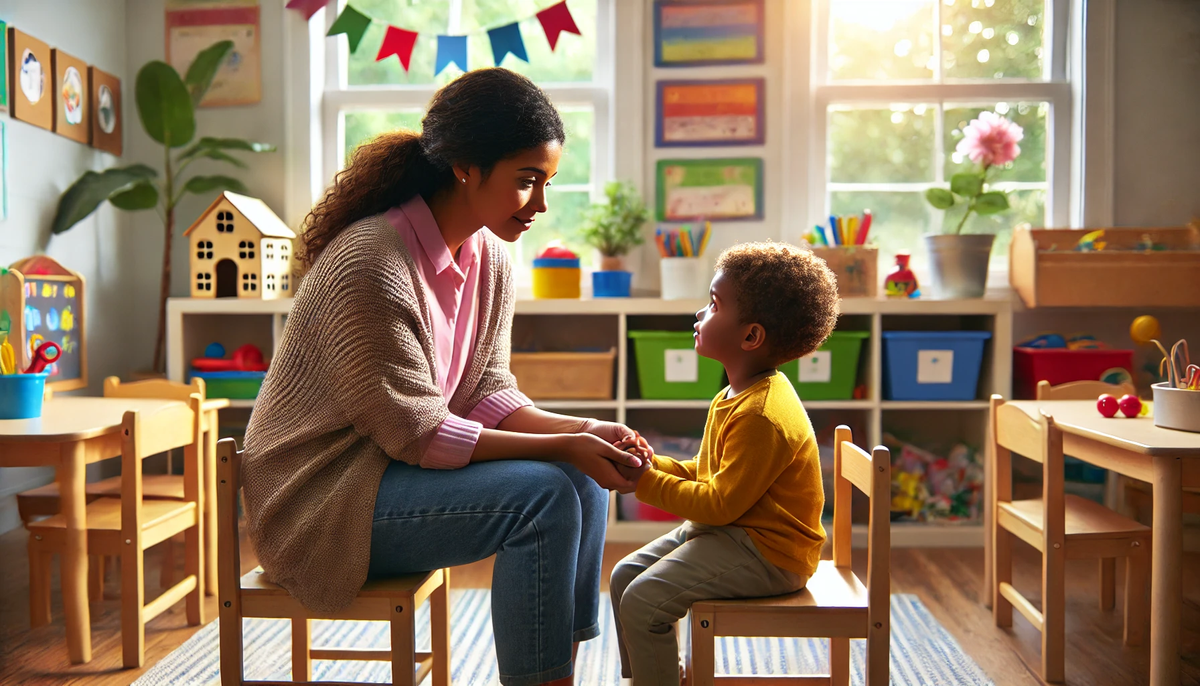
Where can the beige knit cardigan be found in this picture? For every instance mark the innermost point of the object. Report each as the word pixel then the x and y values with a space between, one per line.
pixel 353 386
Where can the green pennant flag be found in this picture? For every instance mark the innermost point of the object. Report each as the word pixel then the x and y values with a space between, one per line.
pixel 352 23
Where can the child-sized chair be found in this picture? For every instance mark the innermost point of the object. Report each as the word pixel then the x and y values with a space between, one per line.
pixel 391 600
pixel 834 604
pixel 125 527
pixel 1059 526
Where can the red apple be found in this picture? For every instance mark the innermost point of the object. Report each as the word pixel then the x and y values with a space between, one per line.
pixel 1107 405
pixel 1130 405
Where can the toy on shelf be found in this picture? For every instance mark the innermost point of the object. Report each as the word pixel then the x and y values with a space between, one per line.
pixel 1176 366
pixel 43 301
pixel 556 272
pixel 239 248
pixel 1091 242
pixel 239 377
pixel 902 282
pixel 1130 405
pixel 929 487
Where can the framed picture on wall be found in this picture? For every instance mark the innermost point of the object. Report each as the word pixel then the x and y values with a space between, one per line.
pixel 32 80
pixel 691 33
pixel 699 113
pixel 72 111
pixel 104 90
pixel 716 189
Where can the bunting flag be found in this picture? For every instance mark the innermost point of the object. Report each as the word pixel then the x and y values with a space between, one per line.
pixel 398 42
pixel 352 23
pixel 556 19
pixel 306 7
pixel 506 40
pixel 451 50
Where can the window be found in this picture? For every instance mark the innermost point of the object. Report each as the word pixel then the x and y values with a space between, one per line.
pixel 365 97
pixel 249 282
pixel 268 250
pixel 224 222
pixel 246 250
pixel 204 250
pixel 203 281
pixel 269 283
pixel 895 82
pixel 283 283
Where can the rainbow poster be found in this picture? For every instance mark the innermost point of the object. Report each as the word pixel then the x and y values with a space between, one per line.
pixel 691 33
pixel 724 112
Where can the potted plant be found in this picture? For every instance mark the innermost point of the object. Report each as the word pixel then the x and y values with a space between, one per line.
pixel 166 105
pixel 960 261
pixel 612 228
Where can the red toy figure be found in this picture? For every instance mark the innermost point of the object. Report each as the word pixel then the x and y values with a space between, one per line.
pixel 901 283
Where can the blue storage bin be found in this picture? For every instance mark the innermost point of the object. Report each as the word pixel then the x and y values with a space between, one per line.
pixel 21 395
pixel 932 365
pixel 611 284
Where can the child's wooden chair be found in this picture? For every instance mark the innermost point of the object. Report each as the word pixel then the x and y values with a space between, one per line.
pixel 834 604
pixel 1061 527
pixel 125 527
pixel 44 500
pixel 391 600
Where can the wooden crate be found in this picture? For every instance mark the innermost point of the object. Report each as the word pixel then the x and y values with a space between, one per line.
pixel 564 376
pixel 856 268
pixel 1046 271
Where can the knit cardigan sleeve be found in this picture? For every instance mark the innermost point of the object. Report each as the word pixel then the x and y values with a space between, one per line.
pixel 496 377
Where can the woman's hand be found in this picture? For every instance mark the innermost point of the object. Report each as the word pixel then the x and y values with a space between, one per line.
pixel 611 432
pixel 636 445
pixel 599 459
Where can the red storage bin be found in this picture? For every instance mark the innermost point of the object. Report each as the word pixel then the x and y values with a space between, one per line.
pixel 1060 365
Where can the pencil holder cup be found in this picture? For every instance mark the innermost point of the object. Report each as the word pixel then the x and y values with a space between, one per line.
pixel 1176 408
pixel 611 284
pixel 21 395
pixel 683 278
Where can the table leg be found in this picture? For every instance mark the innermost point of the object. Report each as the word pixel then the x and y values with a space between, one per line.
pixel 1166 580
pixel 210 502
pixel 72 472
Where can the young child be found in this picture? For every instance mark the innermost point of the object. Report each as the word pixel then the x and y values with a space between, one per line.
pixel 752 498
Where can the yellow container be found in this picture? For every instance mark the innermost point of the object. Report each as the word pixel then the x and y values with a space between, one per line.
pixel 556 278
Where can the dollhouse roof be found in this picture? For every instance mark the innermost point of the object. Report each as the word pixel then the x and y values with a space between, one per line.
pixel 254 210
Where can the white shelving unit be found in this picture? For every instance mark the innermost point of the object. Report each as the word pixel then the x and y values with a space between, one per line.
pixel 194 323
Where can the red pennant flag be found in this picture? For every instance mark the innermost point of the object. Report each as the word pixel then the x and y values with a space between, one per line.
pixel 307 7
pixel 556 19
pixel 398 42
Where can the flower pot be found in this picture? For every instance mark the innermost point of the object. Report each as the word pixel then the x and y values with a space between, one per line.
pixel 959 264
pixel 611 263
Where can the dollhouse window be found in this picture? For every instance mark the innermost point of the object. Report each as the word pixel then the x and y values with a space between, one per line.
pixel 283 253
pixel 246 250
pixel 249 282
pixel 204 281
pixel 224 222
pixel 268 250
pixel 283 282
pixel 204 250
pixel 269 284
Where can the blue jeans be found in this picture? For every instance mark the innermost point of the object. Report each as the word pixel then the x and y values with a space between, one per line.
pixel 544 522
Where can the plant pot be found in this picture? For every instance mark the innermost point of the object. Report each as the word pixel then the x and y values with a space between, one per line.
pixel 611 263
pixel 959 264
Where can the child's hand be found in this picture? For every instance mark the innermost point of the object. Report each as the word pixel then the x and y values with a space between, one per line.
pixel 639 447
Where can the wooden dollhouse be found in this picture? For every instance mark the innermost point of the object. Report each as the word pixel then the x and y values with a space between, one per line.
pixel 240 249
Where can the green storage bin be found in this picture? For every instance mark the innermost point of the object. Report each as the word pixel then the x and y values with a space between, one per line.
pixel 830 372
pixel 669 368
pixel 231 385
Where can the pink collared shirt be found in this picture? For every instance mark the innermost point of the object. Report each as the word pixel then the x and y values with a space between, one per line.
pixel 452 294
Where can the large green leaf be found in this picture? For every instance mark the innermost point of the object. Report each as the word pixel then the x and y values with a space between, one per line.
pixel 212 154
pixel 207 184
pixel 200 74
pixel 966 184
pixel 231 144
pixel 140 196
pixel 85 195
pixel 164 105
pixel 940 198
pixel 991 203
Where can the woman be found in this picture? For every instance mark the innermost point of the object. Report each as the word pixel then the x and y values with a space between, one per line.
pixel 389 436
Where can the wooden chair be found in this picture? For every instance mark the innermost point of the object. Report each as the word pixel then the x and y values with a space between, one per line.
pixel 125 527
pixel 834 604
pixel 391 600
pixel 44 500
pixel 1061 527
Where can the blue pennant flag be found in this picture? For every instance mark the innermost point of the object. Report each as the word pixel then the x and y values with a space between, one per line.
pixel 505 40
pixel 451 50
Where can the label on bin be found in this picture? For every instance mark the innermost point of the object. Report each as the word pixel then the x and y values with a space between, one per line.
pixel 682 366
pixel 935 366
pixel 816 368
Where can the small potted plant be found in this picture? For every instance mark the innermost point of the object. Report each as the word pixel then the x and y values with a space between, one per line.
pixel 960 261
pixel 613 228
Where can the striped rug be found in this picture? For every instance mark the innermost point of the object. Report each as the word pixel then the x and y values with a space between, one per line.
pixel 922 652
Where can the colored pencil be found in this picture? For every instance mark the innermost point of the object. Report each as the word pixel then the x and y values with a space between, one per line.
pixel 866 226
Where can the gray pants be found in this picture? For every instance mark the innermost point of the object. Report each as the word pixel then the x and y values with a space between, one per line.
pixel 654 588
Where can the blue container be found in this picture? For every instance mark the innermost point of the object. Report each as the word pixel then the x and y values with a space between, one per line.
pixel 932 365
pixel 611 284
pixel 21 395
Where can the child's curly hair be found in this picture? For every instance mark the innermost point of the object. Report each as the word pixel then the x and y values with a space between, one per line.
pixel 789 291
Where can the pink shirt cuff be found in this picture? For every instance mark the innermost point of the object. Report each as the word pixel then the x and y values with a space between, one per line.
pixel 496 407
pixel 452 446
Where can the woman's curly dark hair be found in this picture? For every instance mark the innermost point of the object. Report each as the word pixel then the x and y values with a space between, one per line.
pixel 791 292
pixel 478 119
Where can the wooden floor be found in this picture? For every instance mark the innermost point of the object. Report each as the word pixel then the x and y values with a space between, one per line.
pixel 946 580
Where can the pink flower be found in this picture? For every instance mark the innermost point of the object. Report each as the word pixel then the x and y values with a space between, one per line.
pixel 991 139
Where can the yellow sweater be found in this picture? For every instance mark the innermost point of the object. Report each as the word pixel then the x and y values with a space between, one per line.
pixel 758 468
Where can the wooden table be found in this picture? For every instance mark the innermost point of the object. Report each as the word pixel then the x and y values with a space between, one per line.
pixel 1167 459
pixel 72 433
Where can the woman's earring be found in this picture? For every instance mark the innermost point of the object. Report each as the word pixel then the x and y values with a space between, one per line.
pixel 464 180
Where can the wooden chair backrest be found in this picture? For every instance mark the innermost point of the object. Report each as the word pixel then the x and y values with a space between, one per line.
pixel 229 562
pixel 144 434
pixel 1082 390
pixel 154 388
pixel 871 473
pixel 1040 440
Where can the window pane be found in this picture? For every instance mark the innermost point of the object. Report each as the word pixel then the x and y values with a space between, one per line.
pixel 893 145
pixel 576 163
pixel 993 39
pixel 898 222
pixel 1027 206
pixel 881 39
pixel 1030 165
pixel 572 61
pixel 362 126
pixel 563 221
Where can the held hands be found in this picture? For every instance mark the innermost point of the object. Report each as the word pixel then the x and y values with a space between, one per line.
pixel 601 460
pixel 636 445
